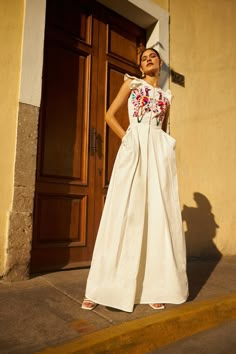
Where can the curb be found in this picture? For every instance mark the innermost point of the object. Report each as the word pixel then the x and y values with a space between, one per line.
pixel 152 332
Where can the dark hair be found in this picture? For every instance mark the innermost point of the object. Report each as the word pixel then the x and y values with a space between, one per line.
pixel 154 50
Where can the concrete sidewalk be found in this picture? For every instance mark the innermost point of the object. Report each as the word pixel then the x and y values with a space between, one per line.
pixel 44 314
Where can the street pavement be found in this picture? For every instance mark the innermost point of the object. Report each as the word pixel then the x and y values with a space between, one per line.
pixel 43 314
pixel 217 340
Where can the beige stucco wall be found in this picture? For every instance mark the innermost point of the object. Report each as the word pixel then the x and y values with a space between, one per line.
pixel 11 29
pixel 203 120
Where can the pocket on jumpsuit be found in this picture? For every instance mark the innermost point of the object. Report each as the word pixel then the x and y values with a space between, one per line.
pixel 172 165
pixel 123 140
pixel 170 140
pixel 126 150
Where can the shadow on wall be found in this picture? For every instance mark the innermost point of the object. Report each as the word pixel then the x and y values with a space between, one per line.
pixel 201 228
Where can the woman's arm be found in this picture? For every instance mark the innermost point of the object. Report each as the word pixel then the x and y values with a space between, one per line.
pixel 119 101
pixel 165 121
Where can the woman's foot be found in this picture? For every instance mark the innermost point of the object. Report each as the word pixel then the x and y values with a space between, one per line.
pixel 88 305
pixel 157 306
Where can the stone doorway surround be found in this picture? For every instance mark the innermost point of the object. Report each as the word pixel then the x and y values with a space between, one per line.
pixel 147 14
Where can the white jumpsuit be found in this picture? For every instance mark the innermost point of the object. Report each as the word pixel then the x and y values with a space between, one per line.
pixel 140 255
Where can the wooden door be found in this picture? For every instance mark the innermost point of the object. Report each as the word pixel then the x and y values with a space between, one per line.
pixel 88 49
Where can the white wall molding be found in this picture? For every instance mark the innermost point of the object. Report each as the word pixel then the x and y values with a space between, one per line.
pixel 33 44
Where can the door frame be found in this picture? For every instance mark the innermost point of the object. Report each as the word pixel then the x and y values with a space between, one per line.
pixel 146 14
pixel 157 29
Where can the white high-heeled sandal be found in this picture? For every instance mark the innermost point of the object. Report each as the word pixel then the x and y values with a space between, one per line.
pixel 160 307
pixel 90 305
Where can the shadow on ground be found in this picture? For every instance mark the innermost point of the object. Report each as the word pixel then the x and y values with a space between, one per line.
pixel 201 229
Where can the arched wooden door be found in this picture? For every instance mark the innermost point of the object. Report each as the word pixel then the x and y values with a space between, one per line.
pixel 88 49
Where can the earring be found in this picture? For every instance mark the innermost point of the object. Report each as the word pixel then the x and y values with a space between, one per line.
pixel 143 75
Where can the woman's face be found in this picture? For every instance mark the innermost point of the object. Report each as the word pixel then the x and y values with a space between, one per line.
pixel 150 62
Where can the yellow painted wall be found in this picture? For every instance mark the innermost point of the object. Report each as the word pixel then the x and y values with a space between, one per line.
pixel 11 30
pixel 164 4
pixel 203 120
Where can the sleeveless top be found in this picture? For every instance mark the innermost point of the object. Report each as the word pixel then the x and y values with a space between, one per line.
pixel 147 104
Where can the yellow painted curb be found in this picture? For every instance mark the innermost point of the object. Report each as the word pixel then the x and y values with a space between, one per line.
pixel 152 332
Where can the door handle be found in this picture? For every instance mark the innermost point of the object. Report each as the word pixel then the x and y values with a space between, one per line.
pixel 95 143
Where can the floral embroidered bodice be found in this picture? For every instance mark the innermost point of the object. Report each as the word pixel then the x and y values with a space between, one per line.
pixel 147 104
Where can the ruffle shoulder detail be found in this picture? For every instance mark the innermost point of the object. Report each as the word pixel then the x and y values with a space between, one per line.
pixel 168 95
pixel 135 83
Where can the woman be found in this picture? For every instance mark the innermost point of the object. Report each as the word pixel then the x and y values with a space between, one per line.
pixel 139 255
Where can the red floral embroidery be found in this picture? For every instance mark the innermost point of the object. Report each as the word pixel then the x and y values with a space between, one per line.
pixel 143 103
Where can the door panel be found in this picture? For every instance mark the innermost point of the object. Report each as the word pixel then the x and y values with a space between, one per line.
pixel 72 17
pixel 122 45
pixel 66 118
pixel 53 228
pixel 88 49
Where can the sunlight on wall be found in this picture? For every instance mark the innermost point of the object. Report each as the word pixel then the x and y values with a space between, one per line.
pixel 11 19
pixel 203 121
